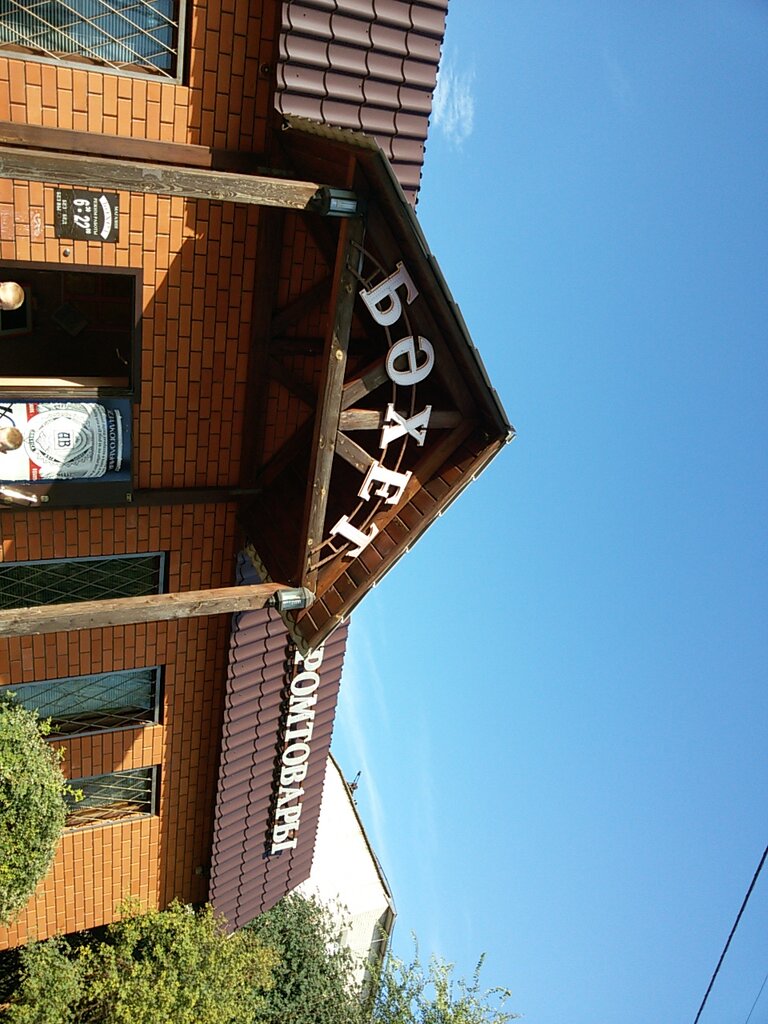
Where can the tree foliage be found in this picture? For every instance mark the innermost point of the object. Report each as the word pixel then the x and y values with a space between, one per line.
pixel 410 993
pixel 32 806
pixel 314 975
pixel 175 965
pixel 287 967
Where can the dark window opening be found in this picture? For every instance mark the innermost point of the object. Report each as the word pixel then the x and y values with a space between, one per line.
pixel 72 324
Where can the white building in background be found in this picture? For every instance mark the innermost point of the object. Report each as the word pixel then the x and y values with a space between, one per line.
pixel 346 874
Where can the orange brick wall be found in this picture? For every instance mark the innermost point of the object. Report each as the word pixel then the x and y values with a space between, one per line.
pixel 198 272
pixel 224 102
pixel 198 268
pixel 152 858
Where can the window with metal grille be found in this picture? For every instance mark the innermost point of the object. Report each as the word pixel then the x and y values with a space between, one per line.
pixel 132 35
pixel 53 581
pixel 86 704
pixel 113 797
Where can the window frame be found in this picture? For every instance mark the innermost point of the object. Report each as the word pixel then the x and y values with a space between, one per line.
pixel 156 682
pixel 162 568
pixel 153 800
pixel 82 61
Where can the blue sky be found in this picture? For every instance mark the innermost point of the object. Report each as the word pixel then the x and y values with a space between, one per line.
pixel 558 700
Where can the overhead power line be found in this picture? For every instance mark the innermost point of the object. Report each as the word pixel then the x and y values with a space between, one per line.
pixel 752 1010
pixel 733 930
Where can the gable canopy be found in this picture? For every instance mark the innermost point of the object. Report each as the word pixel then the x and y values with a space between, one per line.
pixel 394 413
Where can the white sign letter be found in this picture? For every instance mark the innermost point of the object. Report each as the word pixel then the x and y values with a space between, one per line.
pixel 379 474
pixel 413 372
pixel 395 426
pixel 385 292
pixel 346 529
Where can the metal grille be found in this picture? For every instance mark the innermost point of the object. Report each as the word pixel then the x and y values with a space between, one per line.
pixel 53 581
pixel 112 797
pixel 141 35
pixel 87 704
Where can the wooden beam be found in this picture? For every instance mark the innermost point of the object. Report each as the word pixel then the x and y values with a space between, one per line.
pixel 121 611
pixel 364 382
pixel 425 469
pixel 62 140
pixel 300 306
pixel 352 453
pixel 373 419
pixel 158 179
pixel 343 297
pixel 291 383
pixel 297 346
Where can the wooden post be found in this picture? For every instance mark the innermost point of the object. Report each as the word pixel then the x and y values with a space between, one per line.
pixel 323 448
pixel 121 611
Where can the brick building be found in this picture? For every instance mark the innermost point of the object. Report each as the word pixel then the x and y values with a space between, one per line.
pixel 194 307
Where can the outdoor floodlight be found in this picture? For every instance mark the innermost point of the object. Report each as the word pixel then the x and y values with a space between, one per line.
pixel 336 202
pixel 291 600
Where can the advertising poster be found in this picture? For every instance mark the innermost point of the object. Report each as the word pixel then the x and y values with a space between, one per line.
pixel 92 216
pixel 44 440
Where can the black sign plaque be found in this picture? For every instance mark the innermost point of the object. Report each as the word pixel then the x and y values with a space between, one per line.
pixel 82 214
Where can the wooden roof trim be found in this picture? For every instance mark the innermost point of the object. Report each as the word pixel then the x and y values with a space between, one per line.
pixel 405 225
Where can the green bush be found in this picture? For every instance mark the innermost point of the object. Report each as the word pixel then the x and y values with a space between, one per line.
pixel 32 806
pixel 174 965
pixel 313 977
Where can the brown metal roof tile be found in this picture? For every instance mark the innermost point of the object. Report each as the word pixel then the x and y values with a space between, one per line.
pixel 307 20
pixel 414 100
pixel 391 40
pixel 421 47
pixel 345 87
pixel 420 74
pixel 378 122
pixel 344 115
pixel 428 20
pixel 245 878
pixel 413 125
pixel 310 81
pixel 351 30
pixel 351 59
pixel 407 151
pixel 304 50
pixel 394 12
pixel 381 94
pixel 304 106
pixel 360 8
pixel 341 59
pixel 386 66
